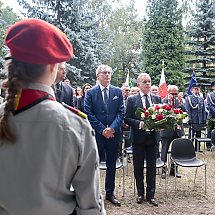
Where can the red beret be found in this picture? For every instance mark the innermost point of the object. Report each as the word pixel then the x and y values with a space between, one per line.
pixel 38 42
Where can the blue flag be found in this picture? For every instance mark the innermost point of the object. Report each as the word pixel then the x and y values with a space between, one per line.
pixel 192 81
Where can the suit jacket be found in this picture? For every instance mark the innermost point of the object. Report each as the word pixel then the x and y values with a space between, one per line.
pixel 139 136
pixel 65 94
pixel 165 133
pixel 101 117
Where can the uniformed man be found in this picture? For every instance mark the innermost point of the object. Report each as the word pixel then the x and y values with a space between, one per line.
pixel 211 109
pixel 195 108
pixel 48 154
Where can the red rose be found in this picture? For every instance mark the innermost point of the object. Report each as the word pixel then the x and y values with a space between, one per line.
pixel 167 107
pixel 146 114
pixel 159 117
pixel 176 111
pixel 157 107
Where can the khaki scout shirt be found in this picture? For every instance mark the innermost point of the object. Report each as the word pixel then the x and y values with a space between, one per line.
pixel 52 168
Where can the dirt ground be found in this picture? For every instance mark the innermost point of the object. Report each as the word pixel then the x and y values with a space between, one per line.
pixel 188 198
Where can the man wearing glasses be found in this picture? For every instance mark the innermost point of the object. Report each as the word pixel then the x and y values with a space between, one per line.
pixel 168 135
pixel 63 91
pixel 143 142
pixel 104 106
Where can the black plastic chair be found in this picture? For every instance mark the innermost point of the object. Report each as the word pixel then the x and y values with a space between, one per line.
pixel 213 139
pixel 183 154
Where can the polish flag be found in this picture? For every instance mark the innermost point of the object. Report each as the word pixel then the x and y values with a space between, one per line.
pixel 162 90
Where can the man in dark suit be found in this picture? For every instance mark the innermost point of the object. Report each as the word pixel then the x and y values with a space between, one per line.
pixel 144 142
pixel 104 106
pixel 168 135
pixel 63 91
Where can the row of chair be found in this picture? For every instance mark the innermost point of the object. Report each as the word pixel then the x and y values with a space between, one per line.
pixel 182 154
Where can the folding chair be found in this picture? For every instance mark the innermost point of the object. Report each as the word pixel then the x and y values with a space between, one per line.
pixel 119 165
pixel 183 154
pixel 202 128
pixel 213 139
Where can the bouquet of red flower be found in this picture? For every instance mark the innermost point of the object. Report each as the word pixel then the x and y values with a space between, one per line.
pixel 161 116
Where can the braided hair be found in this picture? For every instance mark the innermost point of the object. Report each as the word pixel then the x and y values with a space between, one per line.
pixel 19 74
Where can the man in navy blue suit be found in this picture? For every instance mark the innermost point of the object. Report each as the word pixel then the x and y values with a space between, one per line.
pixel 105 109
pixel 63 91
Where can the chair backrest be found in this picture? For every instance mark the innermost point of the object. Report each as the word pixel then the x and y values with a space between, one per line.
pixel 213 136
pixel 182 148
pixel 198 127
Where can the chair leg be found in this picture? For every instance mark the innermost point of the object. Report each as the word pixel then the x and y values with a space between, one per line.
pixel 195 175
pixel 165 179
pixel 205 178
pixel 123 182
pixel 175 175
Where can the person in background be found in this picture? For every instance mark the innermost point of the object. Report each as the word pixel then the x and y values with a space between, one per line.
pixel 168 135
pixel 144 142
pixel 181 99
pixel 1 98
pixel 48 155
pixel 125 128
pixel 63 91
pixel 195 107
pixel 67 81
pixel 104 106
pixel 78 94
pixel 211 109
pixel 134 90
pixel 80 101
pixel 154 90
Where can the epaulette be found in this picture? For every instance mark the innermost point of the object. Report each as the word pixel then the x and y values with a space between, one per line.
pixel 74 110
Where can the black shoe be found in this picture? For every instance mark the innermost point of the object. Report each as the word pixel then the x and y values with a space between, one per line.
pixel 113 200
pixel 163 176
pixel 153 202
pixel 139 199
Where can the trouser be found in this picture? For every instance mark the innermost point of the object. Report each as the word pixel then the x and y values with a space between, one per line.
pixel 148 153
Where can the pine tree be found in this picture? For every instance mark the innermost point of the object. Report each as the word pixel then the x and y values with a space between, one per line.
pixel 201 43
pixel 163 41
pixel 81 25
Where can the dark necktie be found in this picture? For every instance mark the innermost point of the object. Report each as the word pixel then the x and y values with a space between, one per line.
pixel 57 91
pixel 105 95
pixel 147 101
pixel 173 103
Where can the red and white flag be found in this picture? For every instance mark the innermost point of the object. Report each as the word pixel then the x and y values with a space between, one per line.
pixel 162 90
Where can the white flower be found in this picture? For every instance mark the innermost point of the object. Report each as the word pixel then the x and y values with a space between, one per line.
pixel 178 116
pixel 160 110
pixel 142 115
pixel 153 116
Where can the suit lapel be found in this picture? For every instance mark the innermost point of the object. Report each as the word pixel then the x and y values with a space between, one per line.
pixel 139 101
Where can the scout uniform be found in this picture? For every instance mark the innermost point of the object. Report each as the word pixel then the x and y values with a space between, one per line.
pixel 52 167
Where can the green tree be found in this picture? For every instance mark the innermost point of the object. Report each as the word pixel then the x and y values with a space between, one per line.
pixel 200 43
pixel 126 31
pixel 82 26
pixel 163 41
pixel 7 17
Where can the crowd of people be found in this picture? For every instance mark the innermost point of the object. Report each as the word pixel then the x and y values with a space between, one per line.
pixel 49 155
